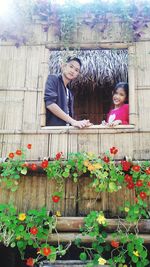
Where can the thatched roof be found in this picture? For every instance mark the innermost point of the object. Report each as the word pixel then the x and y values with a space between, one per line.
pixel 100 67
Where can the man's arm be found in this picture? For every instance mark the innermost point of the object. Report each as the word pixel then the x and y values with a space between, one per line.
pixel 58 112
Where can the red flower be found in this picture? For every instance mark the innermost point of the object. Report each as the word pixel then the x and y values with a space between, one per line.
pixel 125 165
pixel 143 195
pixel 55 199
pixel 130 185
pixel 33 166
pixel 11 155
pixel 58 155
pixel 128 178
pixel 106 159
pixel 148 183
pixel 46 251
pixel 113 150
pixel 44 164
pixel 29 146
pixel 30 262
pixel 19 152
pixel 136 168
pixel 147 171
pixel 34 230
pixel 114 244
pixel 139 183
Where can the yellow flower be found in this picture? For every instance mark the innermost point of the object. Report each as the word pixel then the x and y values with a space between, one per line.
pixel 101 219
pixel 86 163
pixel 125 265
pixel 91 167
pixel 97 166
pixel 22 216
pixel 126 209
pixel 136 253
pixel 101 261
pixel 18 237
pixel 58 214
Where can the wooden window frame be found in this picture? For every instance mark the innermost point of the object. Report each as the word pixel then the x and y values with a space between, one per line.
pixel 132 86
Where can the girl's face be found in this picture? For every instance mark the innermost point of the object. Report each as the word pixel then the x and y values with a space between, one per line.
pixel 119 97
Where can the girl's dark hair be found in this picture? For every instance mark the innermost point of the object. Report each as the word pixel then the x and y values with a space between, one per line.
pixel 123 86
pixel 74 59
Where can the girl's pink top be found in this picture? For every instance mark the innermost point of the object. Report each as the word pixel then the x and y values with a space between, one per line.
pixel 121 113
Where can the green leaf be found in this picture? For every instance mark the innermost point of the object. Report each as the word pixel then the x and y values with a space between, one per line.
pixel 83 256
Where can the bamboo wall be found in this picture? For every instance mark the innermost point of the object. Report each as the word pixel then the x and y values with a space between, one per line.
pixel 23 72
pixel 35 191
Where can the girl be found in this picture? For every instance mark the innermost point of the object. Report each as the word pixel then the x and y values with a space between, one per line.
pixel 120 113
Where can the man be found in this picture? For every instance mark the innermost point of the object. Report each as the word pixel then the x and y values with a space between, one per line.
pixel 58 98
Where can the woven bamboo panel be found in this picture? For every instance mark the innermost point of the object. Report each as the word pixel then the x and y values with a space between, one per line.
pixel 35 191
pixel 10 143
pixel 144 109
pixel 30 117
pixel 143 64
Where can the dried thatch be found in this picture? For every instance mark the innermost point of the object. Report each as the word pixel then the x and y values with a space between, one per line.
pixel 100 67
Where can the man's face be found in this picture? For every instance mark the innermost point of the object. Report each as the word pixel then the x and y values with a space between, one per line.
pixel 71 70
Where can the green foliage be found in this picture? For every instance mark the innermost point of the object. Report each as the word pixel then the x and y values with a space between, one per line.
pixel 28 229
pixel 125 247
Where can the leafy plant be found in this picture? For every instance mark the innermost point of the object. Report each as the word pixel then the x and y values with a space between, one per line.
pixel 32 228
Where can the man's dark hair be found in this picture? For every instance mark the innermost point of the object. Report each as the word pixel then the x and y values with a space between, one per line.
pixel 74 59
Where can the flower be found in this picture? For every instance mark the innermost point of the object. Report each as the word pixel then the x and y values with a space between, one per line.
pixel 130 185
pixel 136 168
pixel 148 183
pixel 44 164
pixel 22 216
pixel 55 199
pixel 113 150
pixel 30 262
pixel 106 159
pixel 91 167
pixel 46 251
pixel 18 152
pixel 34 230
pixel 11 155
pixel 139 183
pixel 125 165
pixel 58 155
pixel 29 146
pixel 126 209
pixel 97 166
pixel 114 244
pixel 58 214
pixel 102 261
pixel 101 219
pixel 147 171
pixel 136 253
pixel 143 195
pixel 86 163
pixel 128 178
pixel 33 166
pixel 18 237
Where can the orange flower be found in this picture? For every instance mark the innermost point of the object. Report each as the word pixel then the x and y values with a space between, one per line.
pixel 30 262
pixel 29 146
pixel 33 166
pixel 11 155
pixel 46 251
pixel 86 163
pixel 44 164
pixel 18 152
pixel 136 168
pixel 113 150
pixel 91 167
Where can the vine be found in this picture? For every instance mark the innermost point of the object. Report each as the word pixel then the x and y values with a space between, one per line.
pixel 67 19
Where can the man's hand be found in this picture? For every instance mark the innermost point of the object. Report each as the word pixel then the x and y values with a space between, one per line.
pixel 81 124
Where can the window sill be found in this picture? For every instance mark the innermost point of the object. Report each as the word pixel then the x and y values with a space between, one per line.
pixel 92 129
